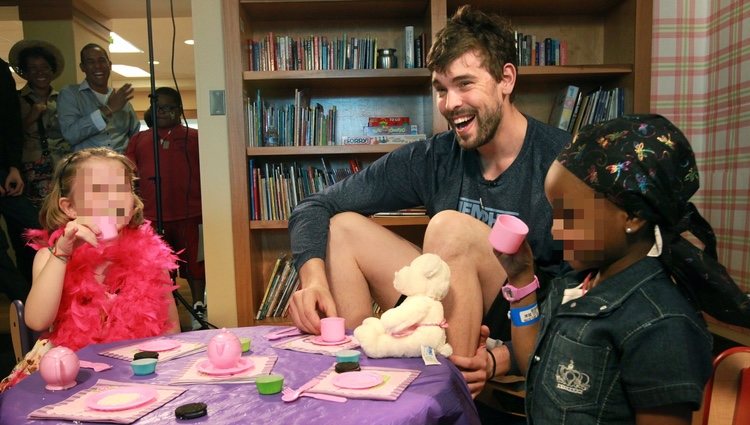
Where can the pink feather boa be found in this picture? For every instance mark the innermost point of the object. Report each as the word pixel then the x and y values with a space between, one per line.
pixel 132 300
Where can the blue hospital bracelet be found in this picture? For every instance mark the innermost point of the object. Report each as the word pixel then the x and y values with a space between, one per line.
pixel 524 316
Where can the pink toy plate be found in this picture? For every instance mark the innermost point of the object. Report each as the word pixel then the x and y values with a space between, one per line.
pixel 163 344
pixel 121 398
pixel 205 366
pixel 357 380
pixel 318 340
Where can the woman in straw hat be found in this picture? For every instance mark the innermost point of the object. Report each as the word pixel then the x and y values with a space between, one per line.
pixel 39 63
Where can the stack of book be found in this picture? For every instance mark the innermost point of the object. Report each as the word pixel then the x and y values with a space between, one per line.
pixel 311 53
pixel 573 110
pixel 549 51
pixel 275 189
pixel 297 124
pixel 386 130
pixel 282 284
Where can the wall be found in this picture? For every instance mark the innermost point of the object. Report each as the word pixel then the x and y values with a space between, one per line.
pixel 701 81
pixel 214 151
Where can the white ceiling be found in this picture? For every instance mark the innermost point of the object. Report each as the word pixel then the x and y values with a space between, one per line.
pixel 128 18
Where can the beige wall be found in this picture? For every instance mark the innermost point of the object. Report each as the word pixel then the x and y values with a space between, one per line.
pixel 214 150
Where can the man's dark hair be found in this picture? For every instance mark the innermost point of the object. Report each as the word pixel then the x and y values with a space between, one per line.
pixel 93 46
pixel 491 36
pixel 35 52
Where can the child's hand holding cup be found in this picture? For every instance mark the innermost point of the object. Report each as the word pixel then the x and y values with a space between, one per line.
pixel 507 238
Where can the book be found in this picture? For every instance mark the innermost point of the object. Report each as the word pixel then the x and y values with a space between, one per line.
pixel 386 121
pixel 419 51
pixel 275 296
pixel 264 303
pixel 562 110
pixel 384 139
pixel 409 46
pixel 391 129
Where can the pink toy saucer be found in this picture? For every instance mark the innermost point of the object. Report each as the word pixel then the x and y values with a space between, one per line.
pixel 318 340
pixel 205 366
pixel 121 398
pixel 163 344
pixel 357 380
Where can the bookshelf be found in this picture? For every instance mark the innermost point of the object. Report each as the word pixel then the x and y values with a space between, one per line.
pixel 609 46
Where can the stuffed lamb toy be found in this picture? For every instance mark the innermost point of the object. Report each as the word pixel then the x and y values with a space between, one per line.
pixel 418 321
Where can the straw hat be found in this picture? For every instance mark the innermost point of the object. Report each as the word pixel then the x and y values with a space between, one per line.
pixel 15 53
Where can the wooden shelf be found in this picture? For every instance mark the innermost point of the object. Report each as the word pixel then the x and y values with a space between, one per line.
pixel 572 72
pixel 349 150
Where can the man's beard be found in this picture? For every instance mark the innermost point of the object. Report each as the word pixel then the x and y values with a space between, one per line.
pixel 487 125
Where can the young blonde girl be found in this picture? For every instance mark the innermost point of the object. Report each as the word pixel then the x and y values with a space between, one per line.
pixel 89 286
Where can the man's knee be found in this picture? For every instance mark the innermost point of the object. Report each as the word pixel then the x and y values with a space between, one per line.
pixel 344 226
pixel 455 233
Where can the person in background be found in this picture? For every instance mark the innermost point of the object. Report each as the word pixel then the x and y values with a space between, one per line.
pixel 621 339
pixel 492 161
pixel 91 113
pixel 39 63
pixel 17 210
pixel 101 274
pixel 179 168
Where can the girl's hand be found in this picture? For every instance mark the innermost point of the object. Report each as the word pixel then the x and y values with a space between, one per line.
pixel 74 234
pixel 518 266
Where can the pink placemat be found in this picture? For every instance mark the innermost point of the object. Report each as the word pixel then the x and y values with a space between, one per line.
pixel 304 344
pixel 185 348
pixel 74 408
pixel 394 382
pixel 262 365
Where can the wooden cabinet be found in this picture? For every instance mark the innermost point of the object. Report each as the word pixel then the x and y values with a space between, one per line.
pixel 609 45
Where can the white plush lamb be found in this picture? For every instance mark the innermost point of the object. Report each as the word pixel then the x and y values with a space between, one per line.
pixel 419 320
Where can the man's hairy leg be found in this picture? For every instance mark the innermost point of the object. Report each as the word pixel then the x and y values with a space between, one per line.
pixel 361 261
pixel 476 275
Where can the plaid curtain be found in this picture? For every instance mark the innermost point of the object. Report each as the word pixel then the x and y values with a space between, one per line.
pixel 700 80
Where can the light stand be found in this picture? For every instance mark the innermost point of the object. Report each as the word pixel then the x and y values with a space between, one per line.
pixel 157 170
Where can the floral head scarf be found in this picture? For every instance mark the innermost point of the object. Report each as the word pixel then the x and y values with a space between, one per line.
pixel 645 165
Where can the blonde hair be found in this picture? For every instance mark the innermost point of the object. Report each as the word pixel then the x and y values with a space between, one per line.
pixel 51 216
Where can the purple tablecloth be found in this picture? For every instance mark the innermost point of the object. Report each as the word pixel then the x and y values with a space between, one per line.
pixel 437 396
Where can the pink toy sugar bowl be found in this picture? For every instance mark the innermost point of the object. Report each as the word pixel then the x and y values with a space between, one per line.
pixel 59 368
pixel 508 234
pixel 224 350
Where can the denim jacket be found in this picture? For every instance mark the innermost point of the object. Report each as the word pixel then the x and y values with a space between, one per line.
pixel 84 127
pixel 632 342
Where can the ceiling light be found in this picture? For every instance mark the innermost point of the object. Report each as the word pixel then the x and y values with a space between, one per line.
pixel 129 71
pixel 120 45
pixel 190 42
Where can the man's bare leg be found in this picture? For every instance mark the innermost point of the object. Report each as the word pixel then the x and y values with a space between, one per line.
pixel 476 275
pixel 361 261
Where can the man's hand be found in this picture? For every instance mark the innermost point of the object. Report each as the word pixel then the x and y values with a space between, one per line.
pixel 308 304
pixel 120 97
pixel 13 185
pixel 475 369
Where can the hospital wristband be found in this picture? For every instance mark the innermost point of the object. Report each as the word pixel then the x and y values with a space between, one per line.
pixel 524 316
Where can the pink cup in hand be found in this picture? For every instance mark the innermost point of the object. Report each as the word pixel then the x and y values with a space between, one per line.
pixel 508 233
pixel 108 227
pixel 332 329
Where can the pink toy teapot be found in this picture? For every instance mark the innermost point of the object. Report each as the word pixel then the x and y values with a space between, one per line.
pixel 59 368
pixel 224 350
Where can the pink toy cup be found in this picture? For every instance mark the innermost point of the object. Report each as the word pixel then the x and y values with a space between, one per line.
pixel 108 227
pixel 59 368
pixel 332 329
pixel 508 234
pixel 224 350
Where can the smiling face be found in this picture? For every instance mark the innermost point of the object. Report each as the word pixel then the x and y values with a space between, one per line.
pixel 470 99
pixel 96 65
pixel 101 189
pixel 38 72
pixel 590 226
pixel 168 111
